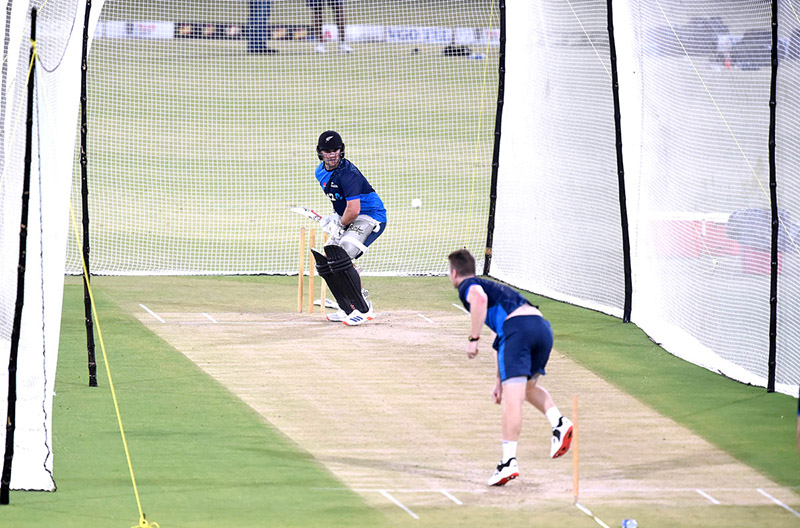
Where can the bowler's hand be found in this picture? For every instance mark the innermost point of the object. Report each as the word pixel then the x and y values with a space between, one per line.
pixel 497 392
pixel 472 349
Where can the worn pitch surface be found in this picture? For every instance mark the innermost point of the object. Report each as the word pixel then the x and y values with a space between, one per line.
pixel 396 405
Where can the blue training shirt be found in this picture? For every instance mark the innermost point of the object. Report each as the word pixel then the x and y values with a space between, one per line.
pixel 345 183
pixel 502 300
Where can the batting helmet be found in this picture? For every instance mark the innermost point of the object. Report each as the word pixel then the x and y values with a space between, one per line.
pixel 329 140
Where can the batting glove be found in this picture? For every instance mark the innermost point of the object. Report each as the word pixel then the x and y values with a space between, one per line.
pixel 332 224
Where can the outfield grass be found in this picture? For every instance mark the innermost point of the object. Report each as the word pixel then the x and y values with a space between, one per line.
pixel 203 458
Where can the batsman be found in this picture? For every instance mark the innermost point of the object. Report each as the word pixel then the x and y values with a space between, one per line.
pixel 357 220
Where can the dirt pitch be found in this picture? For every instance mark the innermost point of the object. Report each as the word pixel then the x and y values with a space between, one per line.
pixel 397 412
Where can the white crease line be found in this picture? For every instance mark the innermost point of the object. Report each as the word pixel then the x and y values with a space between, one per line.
pixel 151 312
pixel 461 308
pixel 400 504
pixel 588 512
pixel 210 318
pixel 711 499
pixel 426 318
pixel 451 497
pixel 776 501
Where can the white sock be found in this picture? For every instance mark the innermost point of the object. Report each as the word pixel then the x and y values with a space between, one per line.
pixel 553 415
pixel 509 450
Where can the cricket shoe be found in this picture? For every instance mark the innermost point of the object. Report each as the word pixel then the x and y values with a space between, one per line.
pixel 337 317
pixel 344 48
pixel 508 470
pixel 562 437
pixel 357 318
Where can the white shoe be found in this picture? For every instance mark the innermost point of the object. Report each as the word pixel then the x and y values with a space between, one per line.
pixel 344 48
pixel 505 471
pixel 357 318
pixel 562 437
pixel 337 317
pixel 320 48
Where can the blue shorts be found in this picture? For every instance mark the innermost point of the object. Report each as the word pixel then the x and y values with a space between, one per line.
pixel 525 346
pixel 375 234
pixel 317 4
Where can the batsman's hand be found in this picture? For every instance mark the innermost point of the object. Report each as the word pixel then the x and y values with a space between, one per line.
pixel 332 224
pixel 329 219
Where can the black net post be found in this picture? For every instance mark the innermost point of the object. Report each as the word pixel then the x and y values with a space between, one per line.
pixel 498 125
pixel 773 198
pixel 623 200
pixel 87 302
pixel 5 481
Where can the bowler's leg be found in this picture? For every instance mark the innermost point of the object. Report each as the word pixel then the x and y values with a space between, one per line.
pixel 538 396
pixel 513 398
pixel 562 426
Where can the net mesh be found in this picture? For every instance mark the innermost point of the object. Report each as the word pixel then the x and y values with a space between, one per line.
pixel 704 227
pixel 558 226
pixel 204 118
pixel 697 78
pixel 787 160
pixel 58 32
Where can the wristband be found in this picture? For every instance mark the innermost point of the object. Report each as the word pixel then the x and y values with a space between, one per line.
pixel 470 338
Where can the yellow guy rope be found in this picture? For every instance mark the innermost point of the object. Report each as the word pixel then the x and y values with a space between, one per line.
pixel 143 523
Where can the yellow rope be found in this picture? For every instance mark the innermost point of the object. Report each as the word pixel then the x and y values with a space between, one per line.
pixel 143 523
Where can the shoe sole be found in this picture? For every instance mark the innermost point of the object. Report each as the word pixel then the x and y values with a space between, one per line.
pixel 502 481
pixel 565 444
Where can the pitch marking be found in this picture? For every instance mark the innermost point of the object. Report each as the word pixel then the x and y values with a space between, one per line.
pixel 210 318
pixel 400 504
pixel 779 503
pixel 711 499
pixel 151 312
pixel 451 497
pixel 426 318
pixel 461 308
pixel 588 512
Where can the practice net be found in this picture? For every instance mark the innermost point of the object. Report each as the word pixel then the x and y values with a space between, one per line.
pixel 204 116
pixel 54 105
pixel 694 88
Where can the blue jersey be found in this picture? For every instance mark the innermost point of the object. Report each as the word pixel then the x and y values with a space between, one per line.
pixel 502 300
pixel 345 183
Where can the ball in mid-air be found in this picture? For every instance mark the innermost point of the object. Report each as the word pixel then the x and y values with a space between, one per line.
pixel 416 202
